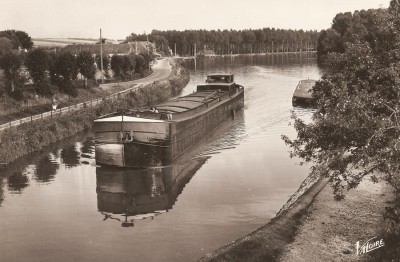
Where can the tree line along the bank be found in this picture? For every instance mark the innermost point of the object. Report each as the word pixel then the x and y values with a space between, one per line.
pixel 356 125
pixel 365 26
pixel 52 71
pixel 231 41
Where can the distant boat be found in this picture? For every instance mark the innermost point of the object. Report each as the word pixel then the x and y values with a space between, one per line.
pixel 302 95
pixel 156 137
pixel 206 53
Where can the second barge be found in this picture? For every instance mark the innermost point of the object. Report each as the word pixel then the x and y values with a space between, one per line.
pixel 302 95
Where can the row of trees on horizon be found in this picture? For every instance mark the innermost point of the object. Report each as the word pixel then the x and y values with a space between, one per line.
pixel 231 41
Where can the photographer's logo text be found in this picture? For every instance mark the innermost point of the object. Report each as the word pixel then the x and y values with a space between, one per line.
pixel 370 245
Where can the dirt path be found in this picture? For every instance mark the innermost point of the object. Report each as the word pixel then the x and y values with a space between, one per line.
pixel 332 228
pixel 161 70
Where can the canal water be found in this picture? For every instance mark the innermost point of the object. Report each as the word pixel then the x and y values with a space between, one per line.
pixel 57 205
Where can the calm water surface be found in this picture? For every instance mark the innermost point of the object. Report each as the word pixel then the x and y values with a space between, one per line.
pixel 58 205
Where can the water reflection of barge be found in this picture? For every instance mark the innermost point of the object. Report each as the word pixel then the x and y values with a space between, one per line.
pixel 141 193
pixel 140 138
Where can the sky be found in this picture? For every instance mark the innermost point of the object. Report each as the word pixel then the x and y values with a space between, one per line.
pixel 120 18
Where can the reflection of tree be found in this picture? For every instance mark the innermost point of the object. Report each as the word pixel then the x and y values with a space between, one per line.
pixel 70 156
pixel 88 147
pixel 46 170
pixel 18 182
pixel 1 191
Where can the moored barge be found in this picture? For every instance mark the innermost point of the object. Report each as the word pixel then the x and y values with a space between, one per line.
pixel 156 137
pixel 302 95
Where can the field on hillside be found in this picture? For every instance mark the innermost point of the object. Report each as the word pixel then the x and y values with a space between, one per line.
pixel 60 42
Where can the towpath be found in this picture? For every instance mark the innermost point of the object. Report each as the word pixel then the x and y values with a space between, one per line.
pixel 161 70
pixel 318 228
pixel 332 228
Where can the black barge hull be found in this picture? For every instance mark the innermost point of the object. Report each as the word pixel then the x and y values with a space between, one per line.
pixel 159 143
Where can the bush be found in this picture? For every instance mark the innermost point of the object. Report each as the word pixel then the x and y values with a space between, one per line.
pixel 46 89
pixel 37 63
pixel 18 94
pixel 72 91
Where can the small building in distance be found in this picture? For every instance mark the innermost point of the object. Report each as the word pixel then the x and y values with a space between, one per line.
pixel 206 52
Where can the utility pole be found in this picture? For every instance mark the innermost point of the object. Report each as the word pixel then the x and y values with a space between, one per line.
pixel 101 58
pixel 148 45
pixel 195 55
pixel 148 51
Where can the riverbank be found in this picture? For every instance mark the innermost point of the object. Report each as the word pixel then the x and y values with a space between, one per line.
pixel 313 226
pixel 30 137
pixel 332 228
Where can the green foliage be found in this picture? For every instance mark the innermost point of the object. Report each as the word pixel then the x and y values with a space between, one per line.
pixel 148 57
pixel 19 39
pixel 63 69
pixel 10 34
pixel 5 45
pixel 37 62
pixel 86 65
pixel 364 26
pixel 128 65
pixel 116 64
pixel 11 63
pixel 140 63
pixel 342 22
pixel 328 41
pixel 106 62
pixel 227 41
pixel 123 65
pixel 356 129
pixel 46 89
pixel 24 39
pixel 18 93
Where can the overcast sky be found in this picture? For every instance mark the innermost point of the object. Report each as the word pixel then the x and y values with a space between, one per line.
pixel 119 18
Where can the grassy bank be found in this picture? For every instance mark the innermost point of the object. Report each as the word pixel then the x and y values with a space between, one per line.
pixel 29 137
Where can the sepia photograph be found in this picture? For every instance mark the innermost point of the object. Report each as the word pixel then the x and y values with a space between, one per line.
pixel 207 131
